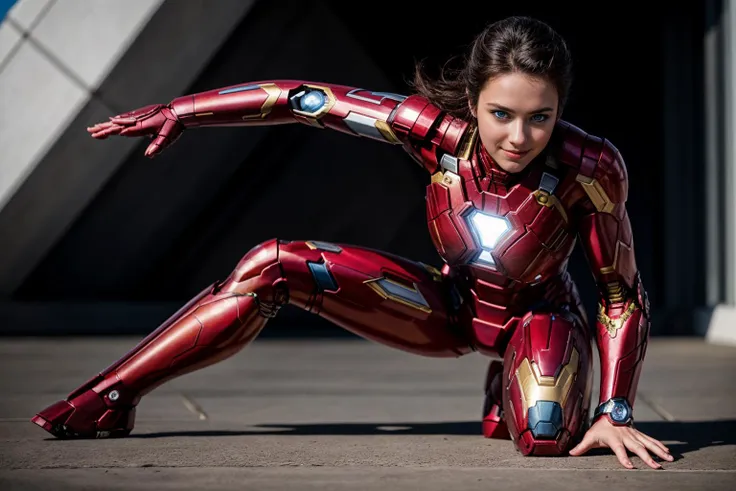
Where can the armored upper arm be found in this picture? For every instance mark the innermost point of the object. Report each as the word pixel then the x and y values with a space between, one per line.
pixel 605 228
pixel 425 132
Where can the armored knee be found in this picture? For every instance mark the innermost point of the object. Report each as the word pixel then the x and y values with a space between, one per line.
pixel 547 383
pixel 259 272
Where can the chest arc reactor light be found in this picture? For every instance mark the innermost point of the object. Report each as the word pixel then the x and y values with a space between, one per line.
pixel 489 229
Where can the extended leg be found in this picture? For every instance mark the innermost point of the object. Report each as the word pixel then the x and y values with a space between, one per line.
pixel 376 295
pixel 547 383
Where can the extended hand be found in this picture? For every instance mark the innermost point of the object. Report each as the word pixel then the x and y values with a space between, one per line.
pixel 620 438
pixel 156 121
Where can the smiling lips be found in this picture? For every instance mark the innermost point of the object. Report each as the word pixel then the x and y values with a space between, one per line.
pixel 514 154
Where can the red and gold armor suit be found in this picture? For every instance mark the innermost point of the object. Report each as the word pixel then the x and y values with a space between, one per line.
pixel 503 290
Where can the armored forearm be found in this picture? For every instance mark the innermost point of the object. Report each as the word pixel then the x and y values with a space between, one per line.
pixel 622 324
pixel 383 116
pixel 622 331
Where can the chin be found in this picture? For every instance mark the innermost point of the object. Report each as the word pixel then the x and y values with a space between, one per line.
pixel 513 166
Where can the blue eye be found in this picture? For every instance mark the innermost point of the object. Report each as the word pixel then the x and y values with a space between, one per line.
pixel 540 118
pixel 500 114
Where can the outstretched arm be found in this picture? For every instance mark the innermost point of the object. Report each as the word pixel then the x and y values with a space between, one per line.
pixel 391 118
pixel 622 325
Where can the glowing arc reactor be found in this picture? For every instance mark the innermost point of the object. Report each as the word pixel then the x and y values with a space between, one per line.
pixel 489 229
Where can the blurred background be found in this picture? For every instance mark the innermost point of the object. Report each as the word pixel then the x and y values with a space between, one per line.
pixel 97 239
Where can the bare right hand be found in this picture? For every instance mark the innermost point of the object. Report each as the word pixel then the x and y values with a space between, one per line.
pixel 621 439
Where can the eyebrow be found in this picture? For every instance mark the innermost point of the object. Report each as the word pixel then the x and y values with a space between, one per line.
pixel 508 110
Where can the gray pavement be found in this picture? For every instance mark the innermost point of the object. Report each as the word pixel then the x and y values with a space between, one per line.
pixel 346 414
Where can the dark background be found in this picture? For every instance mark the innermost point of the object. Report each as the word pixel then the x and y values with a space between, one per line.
pixel 163 229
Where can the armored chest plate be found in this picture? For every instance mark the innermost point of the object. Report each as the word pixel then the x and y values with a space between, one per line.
pixel 519 233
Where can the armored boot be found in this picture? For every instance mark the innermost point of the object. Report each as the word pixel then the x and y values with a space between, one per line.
pixel 214 325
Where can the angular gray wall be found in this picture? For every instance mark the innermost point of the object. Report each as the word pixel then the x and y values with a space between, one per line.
pixel 160 230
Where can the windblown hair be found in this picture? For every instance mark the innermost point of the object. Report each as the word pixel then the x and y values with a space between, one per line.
pixel 515 44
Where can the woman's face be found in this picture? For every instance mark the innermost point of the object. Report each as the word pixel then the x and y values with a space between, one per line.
pixel 516 114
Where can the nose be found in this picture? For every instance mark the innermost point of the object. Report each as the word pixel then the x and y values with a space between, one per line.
pixel 518 134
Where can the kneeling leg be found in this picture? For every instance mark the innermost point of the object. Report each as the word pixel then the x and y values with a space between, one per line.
pixel 547 383
pixel 493 424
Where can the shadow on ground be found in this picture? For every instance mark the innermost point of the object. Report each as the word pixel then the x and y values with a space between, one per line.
pixel 688 435
pixel 691 435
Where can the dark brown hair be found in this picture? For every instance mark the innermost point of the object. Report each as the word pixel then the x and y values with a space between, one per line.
pixel 515 44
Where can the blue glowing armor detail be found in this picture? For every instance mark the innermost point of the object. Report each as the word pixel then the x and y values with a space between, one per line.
pixel 312 101
pixel 545 420
pixel 489 229
pixel 618 409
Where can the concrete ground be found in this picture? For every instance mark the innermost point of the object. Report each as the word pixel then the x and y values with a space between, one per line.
pixel 346 414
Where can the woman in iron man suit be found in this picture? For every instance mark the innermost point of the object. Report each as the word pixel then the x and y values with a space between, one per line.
pixel 511 189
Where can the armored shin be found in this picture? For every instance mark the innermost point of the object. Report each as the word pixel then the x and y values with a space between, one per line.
pixel 211 327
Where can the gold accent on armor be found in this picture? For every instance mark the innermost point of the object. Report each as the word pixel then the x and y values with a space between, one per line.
pixel 615 292
pixel 273 92
pixel 319 245
pixel 550 200
pixel 596 193
pixel 376 286
pixel 322 110
pixel 536 387
pixel 468 144
pixel 436 273
pixel 608 270
pixel 387 132
pixel 437 234
pixel 444 177
pixel 199 115
pixel 613 325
